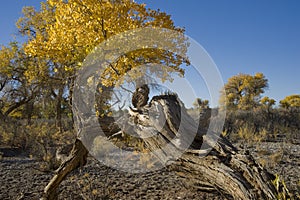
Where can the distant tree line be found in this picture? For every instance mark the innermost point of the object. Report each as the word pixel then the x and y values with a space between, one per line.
pixel 247 110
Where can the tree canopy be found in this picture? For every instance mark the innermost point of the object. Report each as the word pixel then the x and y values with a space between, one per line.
pixel 59 37
pixel 292 101
pixel 65 32
pixel 243 91
pixel 16 88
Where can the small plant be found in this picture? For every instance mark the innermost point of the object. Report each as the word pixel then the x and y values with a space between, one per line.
pixel 280 186
pixel 260 136
pixel 225 133
pixel 246 133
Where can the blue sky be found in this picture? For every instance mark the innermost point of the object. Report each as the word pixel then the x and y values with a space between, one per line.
pixel 240 36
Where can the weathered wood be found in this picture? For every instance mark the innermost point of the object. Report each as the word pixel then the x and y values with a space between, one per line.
pixel 234 174
pixel 76 159
pixel 225 169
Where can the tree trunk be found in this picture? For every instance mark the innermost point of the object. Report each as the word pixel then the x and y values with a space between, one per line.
pixel 59 109
pixel 29 111
pixel 219 167
pixel 225 169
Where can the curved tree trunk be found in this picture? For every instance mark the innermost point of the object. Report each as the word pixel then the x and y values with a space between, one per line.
pixel 225 169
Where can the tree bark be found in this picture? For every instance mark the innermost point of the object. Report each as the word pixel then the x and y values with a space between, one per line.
pixel 225 169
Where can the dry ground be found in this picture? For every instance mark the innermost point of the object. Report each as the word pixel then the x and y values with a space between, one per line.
pixel 20 177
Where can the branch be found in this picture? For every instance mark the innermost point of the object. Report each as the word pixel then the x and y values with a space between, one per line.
pixel 15 106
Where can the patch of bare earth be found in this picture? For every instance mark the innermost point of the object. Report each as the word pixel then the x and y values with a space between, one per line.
pixel 21 178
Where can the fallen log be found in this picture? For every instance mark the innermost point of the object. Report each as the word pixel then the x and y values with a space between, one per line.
pixel 208 165
pixel 225 169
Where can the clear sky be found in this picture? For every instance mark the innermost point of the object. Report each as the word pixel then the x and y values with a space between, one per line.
pixel 240 36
